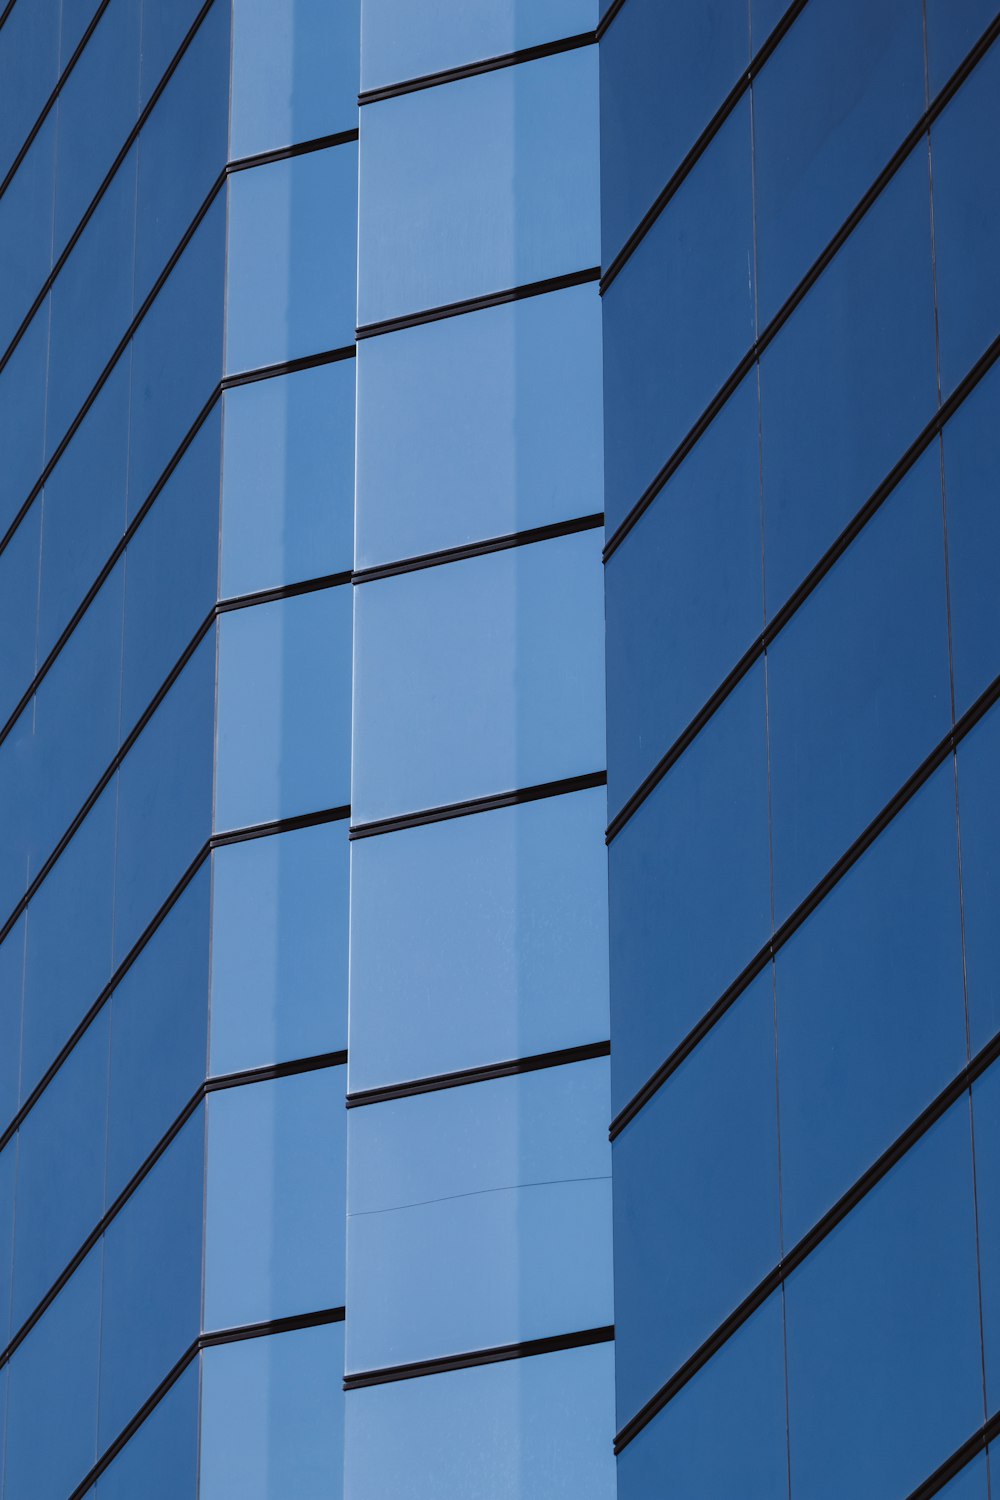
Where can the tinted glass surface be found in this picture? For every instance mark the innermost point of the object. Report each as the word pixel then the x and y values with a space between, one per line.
pixel 26 210
pixel 986 1124
pixel 294 72
pixel 951 32
pixel 161 1461
pixel 979 805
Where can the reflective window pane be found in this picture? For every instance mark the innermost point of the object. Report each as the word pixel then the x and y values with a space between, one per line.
pixel 22 415
pixel 19 564
pixel 986 1123
pixel 11 993
pixel 979 807
pixel 29 67
pixel 26 230
pixel 952 31
pixel 295 72
pixel 161 1461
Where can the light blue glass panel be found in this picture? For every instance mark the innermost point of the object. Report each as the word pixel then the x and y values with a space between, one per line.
pixel 279 947
pixel 479 1216
pixel 979 807
pixel 274 1215
pixel 479 939
pixel 161 1461
pixel 11 994
pixel 401 42
pixel 482 185
pixel 295 72
pixel 26 210
pixel 524 1429
pixel 508 648
pixel 479 426
pixel 883 1329
pixel 986 1124
pixel 284 708
pixel 19 565
pixel 288 479
pixel 724 1434
pixel 291 278
pixel 272 1417
pixel 690 888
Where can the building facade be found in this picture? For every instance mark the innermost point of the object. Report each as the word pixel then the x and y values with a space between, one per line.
pixel 369 374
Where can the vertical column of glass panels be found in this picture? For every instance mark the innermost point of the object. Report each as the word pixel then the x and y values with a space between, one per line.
pixel 479 1287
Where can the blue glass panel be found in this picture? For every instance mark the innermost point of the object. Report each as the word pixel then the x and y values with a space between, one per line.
pixel 19 564
pixel 164 29
pixel 479 426
pixel 68 958
pixel 8 1175
pixel 16 766
pixel 284 707
pixel 152 1280
pixel 696 1198
pixel 683 595
pixel 291 278
pixel 295 72
pixel 161 1460
pixel 858 685
pixel 967 220
pixel 524 1429
pixel 479 939
pixel 29 66
pixel 76 17
pixel 683 1451
pixel 508 648
pixel 52 1393
pixel 279 948
pixel 11 994
pixel 22 415
pixel 849 382
pixel 479 1216
pixel 288 479
pixel 971 1484
pixel 979 802
pixel 690 888
pixel 764 17
pixel 26 230
pixel 680 316
pixel 827 118
pixel 165 797
pixel 274 1208
pixel 871 1006
pixel 488 183
pixel 952 30
pixel 272 1418
pixel 177 354
pixel 883 1330
pixel 182 149
pixel 159 1023
pixel 986 1124
pixel 400 42
pixel 83 506
pixel 171 572
pixel 665 69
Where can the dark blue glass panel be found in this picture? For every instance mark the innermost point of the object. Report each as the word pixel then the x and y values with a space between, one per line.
pixel 161 1461
pixel 171 572
pixel 295 653
pixel 279 948
pixel 690 888
pixel 8 1175
pixel 979 806
pixel 76 17
pixel 522 895
pixel 680 316
pixel 29 67
pixel 486 184
pixel 16 758
pixel 26 230
pixel 22 415
pixel 971 456
pixel 52 1393
pixel 165 798
pixel 858 685
pixel 986 1124
pixel 19 563
pixel 152 1280
pixel 60 1169
pixel 288 479
pixel 830 108
pixel 971 1484
pixel 164 28
pixel 295 72
pixel 400 42
pixel 952 30
pixel 696 1224
pixel 479 426
pixel 764 17
pixel 290 284
pixel 683 595
pixel 665 70
pixel 871 1006
pixel 274 1207
pixel 523 1429
pixel 272 1416
pixel 509 649
pixel 724 1433
pixel 883 1330
pixel 479 1216
pixel 11 994
pixel 159 1024
pixel 849 382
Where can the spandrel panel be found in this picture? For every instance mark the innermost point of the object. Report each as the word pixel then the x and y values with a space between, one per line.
pixel 479 426
pixel 479 186
pixel 690 888
pixel 479 1216
pixel 858 685
pixel 294 72
pixel 522 895
pixel 284 708
pixel 279 947
pixel 509 649
pixel 679 317
pixel 288 479
pixel 523 1429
